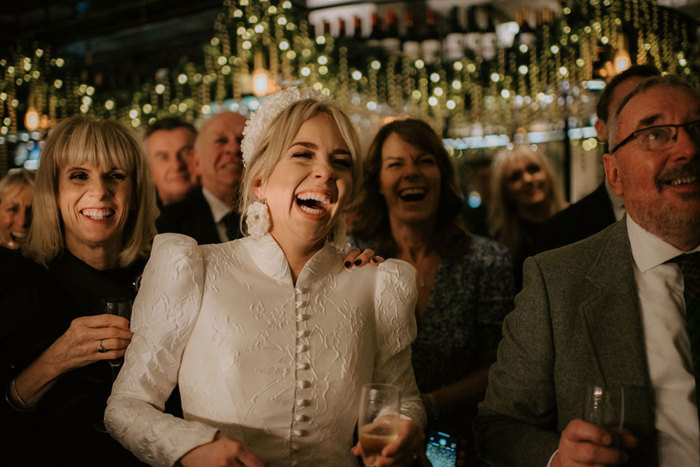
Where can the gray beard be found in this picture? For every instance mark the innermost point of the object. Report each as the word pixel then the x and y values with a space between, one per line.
pixel 678 227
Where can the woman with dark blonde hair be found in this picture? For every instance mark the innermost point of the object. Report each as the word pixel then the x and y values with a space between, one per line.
pixel 94 219
pixel 525 192
pixel 412 211
pixel 16 190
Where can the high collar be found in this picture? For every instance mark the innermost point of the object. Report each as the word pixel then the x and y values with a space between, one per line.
pixel 269 257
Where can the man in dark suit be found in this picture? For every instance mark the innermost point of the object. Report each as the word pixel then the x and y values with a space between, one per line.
pixel 169 143
pixel 601 207
pixel 612 310
pixel 208 213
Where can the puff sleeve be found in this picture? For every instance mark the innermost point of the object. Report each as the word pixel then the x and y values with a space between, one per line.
pixel 395 304
pixel 163 317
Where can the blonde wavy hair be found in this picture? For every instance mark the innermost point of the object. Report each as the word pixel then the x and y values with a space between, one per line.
pixel 279 136
pixel 105 143
pixel 15 179
pixel 503 215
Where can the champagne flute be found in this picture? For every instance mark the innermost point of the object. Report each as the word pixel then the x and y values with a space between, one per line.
pixel 120 307
pixel 379 419
pixel 605 407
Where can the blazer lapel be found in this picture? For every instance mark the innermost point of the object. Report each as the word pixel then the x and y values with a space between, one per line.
pixel 615 330
pixel 612 314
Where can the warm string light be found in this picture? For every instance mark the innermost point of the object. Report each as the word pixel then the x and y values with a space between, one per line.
pixel 564 55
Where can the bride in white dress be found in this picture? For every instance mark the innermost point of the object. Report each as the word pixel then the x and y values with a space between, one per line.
pixel 269 337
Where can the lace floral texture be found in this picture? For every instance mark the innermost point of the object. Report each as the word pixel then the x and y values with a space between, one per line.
pixel 260 121
pixel 257 219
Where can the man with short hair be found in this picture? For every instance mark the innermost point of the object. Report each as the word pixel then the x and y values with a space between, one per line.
pixel 169 142
pixel 601 207
pixel 208 214
pixel 620 308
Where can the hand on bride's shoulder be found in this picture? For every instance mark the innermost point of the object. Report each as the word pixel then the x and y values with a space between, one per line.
pixel 221 451
pixel 359 259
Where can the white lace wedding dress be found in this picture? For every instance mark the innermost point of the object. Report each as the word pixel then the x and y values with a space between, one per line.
pixel 274 365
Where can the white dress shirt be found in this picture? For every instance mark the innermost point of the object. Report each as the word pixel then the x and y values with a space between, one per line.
pixel 660 291
pixel 218 209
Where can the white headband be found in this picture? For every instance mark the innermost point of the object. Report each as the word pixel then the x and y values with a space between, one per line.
pixel 270 107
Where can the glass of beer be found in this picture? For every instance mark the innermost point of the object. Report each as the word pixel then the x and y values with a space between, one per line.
pixel 379 419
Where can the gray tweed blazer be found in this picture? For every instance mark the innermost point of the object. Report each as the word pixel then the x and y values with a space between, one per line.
pixel 576 322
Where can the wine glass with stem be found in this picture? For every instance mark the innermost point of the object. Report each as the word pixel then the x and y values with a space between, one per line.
pixel 379 419
pixel 605 407
pixel 120 306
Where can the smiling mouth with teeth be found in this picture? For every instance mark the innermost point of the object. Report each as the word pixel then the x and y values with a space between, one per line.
pixel 18 237
pixel 413 194
pixel 97 214
pixel 313 203
pixel 683 181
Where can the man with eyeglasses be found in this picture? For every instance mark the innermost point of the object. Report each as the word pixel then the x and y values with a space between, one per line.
pixel 602 206
pixel 618 309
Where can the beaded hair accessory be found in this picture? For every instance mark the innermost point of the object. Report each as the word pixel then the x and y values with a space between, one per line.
pixel 270 107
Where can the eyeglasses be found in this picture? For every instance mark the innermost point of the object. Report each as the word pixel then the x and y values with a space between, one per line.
pixel 660 137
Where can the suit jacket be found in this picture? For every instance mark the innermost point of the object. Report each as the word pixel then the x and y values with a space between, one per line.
pixel 582 219
pixel 576 322
pixel 191 216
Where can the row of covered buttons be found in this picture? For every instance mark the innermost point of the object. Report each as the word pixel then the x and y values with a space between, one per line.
pixel 302 348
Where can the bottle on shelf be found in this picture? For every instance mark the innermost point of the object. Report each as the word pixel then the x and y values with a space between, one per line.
pixel 322 36
pixel 489 38
pixel 454 40
pixel 342 39
pixel 431 44
pixel 376 35
pixel 411 40
pixel 390 39
pixel 472 36
pixel 342 33
pixel 357 29
pixel 526 34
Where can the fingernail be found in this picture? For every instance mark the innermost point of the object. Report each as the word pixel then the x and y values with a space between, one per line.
pixel 358 262
pixel 346 264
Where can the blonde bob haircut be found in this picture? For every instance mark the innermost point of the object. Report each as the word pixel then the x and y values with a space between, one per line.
pixel 280 135
pixel 503 215
pixel 82 140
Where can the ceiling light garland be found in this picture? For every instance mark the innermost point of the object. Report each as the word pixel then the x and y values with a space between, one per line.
pixel 259 46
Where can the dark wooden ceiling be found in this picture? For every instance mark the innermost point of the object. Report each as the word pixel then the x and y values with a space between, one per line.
pixel 109 29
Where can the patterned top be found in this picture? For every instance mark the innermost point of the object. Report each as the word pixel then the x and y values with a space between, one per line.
pixel 461 327
pixel 275 365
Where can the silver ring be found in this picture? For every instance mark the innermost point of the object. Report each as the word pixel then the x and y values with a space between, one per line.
pixel 101 349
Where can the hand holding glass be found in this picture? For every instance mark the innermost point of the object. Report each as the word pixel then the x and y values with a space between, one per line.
pixel 379 419
pixel 120 307
pixel 605 407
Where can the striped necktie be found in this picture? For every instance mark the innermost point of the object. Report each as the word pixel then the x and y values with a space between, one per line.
pixel 690 268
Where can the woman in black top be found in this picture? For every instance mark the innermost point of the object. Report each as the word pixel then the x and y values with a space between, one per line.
pixel 94 220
